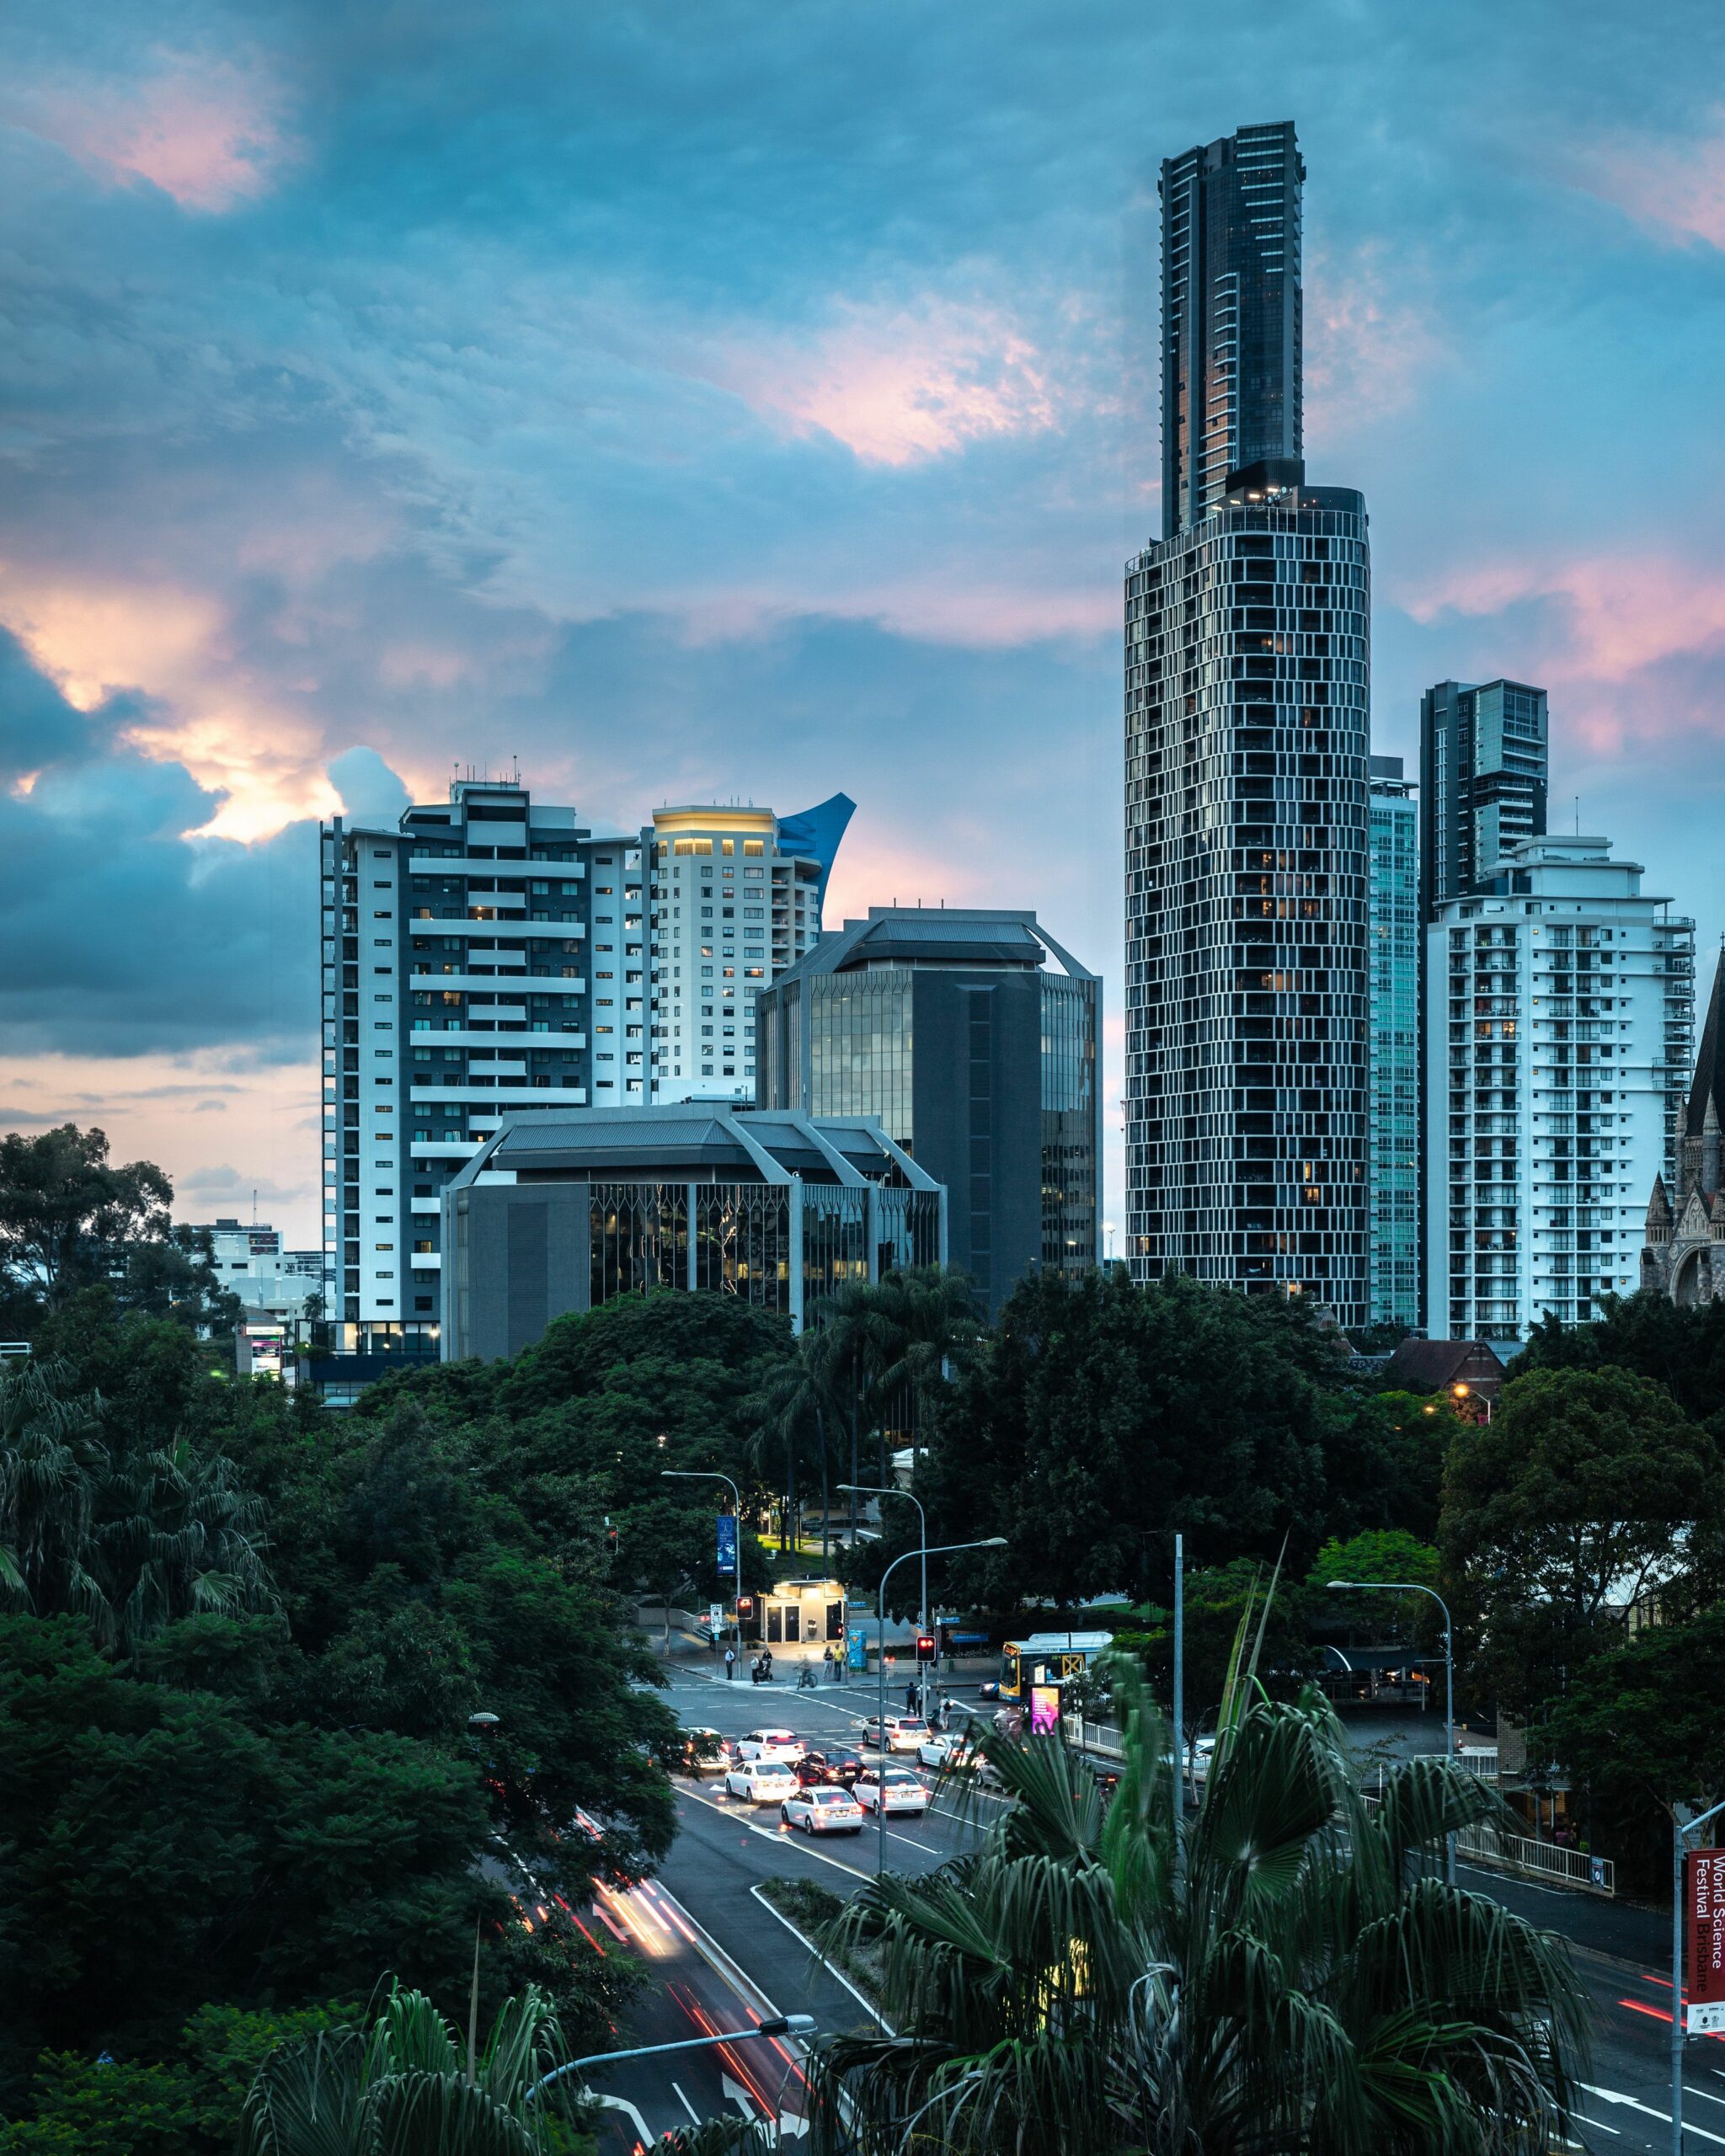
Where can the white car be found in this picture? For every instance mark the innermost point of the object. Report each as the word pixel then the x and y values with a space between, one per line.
pixel 947 1753
pixel 761 1781
pixel 771 1744
pixel 889 1789
pixel 823 1812
pixel 904 1732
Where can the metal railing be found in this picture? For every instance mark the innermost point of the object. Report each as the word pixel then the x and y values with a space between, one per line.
pixel 1534 1860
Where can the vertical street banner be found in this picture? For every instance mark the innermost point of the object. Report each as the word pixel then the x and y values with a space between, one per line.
pixel 856 1648
pixel 1704 1928
pixel 727 1543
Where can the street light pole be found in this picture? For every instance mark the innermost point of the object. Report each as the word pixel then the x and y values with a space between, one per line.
pixel 882 1489
pixel 712 1475
pixel 783 2024
pixel 1179 1678
pixel 941 1550
pixel 1413 1587
pixel 1680 1831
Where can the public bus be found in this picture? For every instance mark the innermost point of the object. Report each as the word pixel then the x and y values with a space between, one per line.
pixel 1032 1670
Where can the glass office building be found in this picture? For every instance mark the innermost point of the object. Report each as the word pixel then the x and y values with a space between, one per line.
pixel 955 1028
pixel 1483 767
pixel 1395 941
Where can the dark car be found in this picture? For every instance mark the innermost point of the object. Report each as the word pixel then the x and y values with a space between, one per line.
pixel 703 1749
pixel 820 1769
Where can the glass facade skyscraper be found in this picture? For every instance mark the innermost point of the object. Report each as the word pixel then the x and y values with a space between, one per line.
pixel 978 1058
pixel 1483 779
pixel 1247 696
pixel 1396 939
pixel 1231 315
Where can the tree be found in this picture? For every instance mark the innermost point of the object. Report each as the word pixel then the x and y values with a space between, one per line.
pixel 1218 1600
pixel 411 2082
pixel 1579 1497
pixel 1682 1349
pixel 1285 1972
pixel 883 1346
pixel 1100 1415
pixel 159 1849
pixel 1640 1730
pixel 67 1216
pixel 132 1538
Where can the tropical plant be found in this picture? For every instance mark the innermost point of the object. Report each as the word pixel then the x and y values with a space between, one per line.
pixel 411 2086
pixel 131 1537
pixel 883 1347
pixel 1283 1971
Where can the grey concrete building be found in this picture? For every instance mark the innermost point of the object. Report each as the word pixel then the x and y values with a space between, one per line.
pixel 978 1056
pixel 562 1212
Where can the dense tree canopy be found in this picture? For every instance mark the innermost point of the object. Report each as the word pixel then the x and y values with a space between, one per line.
pixel 1586 1491
pixel 1683 1350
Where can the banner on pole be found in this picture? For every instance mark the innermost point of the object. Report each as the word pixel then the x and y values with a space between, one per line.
pixel 727 1542
pixel 1704 1905
pixel 856 1648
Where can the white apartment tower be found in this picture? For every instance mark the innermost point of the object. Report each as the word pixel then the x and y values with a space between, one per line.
pixel 490 954
pixel 735 896
pixel 1559 1005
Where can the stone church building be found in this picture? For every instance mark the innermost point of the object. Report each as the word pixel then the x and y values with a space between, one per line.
pixel 1685 1255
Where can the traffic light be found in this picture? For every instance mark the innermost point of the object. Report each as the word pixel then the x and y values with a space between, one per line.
pixel 609 1537
pixel 926 1647
pixel 745 1605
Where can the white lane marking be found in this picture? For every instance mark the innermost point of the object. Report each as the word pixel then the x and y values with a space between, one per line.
pixel 1616 2096
pixel 623 2103
pixel 838 1974
pixel 695 2115
pixel 803 1842
pixel 1599 2126
pixel 1706 2095
pixel 734 2093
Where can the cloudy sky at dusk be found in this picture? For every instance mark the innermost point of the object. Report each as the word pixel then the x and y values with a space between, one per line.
pixel 754 400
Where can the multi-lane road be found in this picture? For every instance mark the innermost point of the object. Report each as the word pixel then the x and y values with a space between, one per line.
pixel 721 1958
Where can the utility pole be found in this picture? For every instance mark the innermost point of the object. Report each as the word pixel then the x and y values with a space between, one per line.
pixel 1180 1673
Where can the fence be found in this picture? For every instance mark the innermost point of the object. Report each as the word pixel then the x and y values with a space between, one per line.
pixel 1485 1844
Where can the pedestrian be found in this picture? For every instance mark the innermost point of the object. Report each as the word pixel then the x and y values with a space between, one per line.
pixel 910 1697
pixel 754 1671
pixel 766 1665
pixel 829 1658
pixel 806 1678
pixel 730 1663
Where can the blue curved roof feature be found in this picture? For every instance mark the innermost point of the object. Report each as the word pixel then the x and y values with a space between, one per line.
pixel 816 832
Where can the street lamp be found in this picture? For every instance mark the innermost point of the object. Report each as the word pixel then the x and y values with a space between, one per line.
pixel 782 2024
pixel 940 1550
pixel 881 1489
pixel 1460 1392
pixel 1107 1228
pixel 712 1475
pixel 1413 1587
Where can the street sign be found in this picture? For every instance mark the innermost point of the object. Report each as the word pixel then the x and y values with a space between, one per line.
pixel 1704 1904
pixel 727 1543
pixel 715 1618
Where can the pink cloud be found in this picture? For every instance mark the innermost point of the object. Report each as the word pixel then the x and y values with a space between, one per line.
pixel 900 385
pixel 1619 613
pixel 1368 342
pixel 1676 188
pixel 206 132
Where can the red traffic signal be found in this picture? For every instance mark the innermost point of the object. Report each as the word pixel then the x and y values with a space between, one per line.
pixel 926 1647
pixel 745 1605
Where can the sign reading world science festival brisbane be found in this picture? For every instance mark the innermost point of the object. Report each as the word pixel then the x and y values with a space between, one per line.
pixel 1704 1901
pixel 727 1543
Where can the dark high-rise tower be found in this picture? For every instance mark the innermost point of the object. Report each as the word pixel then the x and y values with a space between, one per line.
pixel 1482 764
pixel 1248 1092
pixel 1231 315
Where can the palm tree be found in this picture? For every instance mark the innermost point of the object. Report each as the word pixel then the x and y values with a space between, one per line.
pixel 797 1419
pixel 1286 1974
pixel 408 2086
pixel 884 1346
pixel 132 1540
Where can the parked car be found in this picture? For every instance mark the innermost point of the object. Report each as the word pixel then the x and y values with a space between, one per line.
pixel 702 1750
pixel 823 1769
pixel 761 1781
pixel 823 1812
pixel 904 1732
pixel 889 1789
pixel 770 1744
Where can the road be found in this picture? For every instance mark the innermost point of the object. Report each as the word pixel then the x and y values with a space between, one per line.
pixel 716 1948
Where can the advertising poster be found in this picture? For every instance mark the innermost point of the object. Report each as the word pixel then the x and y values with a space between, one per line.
pixel 727 1543
pixel 856 1648
pixel 1045 1707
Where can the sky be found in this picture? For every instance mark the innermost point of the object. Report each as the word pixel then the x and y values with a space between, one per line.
pixel 751 401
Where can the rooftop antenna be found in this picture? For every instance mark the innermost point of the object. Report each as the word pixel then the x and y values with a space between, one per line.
pixel 1578 815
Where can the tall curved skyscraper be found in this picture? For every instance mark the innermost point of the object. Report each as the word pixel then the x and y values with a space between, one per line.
pixel 1247 704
